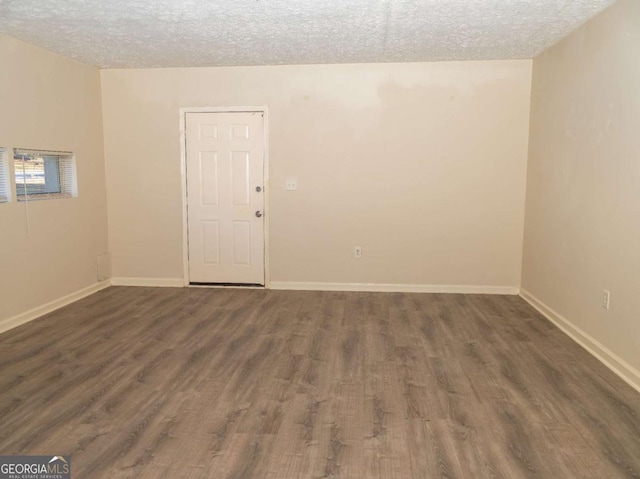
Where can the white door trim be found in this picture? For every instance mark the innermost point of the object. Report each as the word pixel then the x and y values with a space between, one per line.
pixel 183 174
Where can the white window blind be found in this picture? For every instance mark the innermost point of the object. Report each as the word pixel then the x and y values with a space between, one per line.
pixel 41 174
pixel 4 178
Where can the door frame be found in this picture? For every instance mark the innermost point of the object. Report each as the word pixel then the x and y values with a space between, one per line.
pixel 183 173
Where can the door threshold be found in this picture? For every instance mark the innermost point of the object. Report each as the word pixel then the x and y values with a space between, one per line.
pixel 226 285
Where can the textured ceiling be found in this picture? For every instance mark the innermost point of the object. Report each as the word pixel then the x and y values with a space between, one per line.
pixel 178 33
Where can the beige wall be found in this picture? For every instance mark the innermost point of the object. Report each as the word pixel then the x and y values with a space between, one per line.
pixel 423 165
pixel 49 102
pixel 582 231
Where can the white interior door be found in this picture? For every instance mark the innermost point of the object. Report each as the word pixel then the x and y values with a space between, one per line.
pixel 225 197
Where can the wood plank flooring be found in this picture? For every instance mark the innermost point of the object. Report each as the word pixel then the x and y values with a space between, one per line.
pixel 232 383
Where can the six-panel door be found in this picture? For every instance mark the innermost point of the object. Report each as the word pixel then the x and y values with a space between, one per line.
pixel 225 197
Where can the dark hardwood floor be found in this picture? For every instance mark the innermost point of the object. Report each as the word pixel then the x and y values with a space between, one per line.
pixel 212 383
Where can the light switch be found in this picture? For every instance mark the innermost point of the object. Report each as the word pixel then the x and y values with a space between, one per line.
pixel 291 184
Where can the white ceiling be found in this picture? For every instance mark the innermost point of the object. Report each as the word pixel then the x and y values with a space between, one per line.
pixel 180 33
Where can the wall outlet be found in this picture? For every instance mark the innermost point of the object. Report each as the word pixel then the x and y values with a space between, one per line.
pixel 606 299
pixel 291 184
pixel 357 252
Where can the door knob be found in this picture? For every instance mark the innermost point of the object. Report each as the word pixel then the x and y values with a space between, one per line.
pixel 258 213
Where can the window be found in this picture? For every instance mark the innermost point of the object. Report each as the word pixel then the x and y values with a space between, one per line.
pixel 42 175
pixel 5 195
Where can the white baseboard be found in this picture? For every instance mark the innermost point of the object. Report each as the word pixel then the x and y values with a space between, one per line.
pixel 153 282
pixel 394 288
pixel 618 365
pixel 51 306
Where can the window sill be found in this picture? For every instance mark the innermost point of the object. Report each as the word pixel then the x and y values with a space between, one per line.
pixel 44 196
